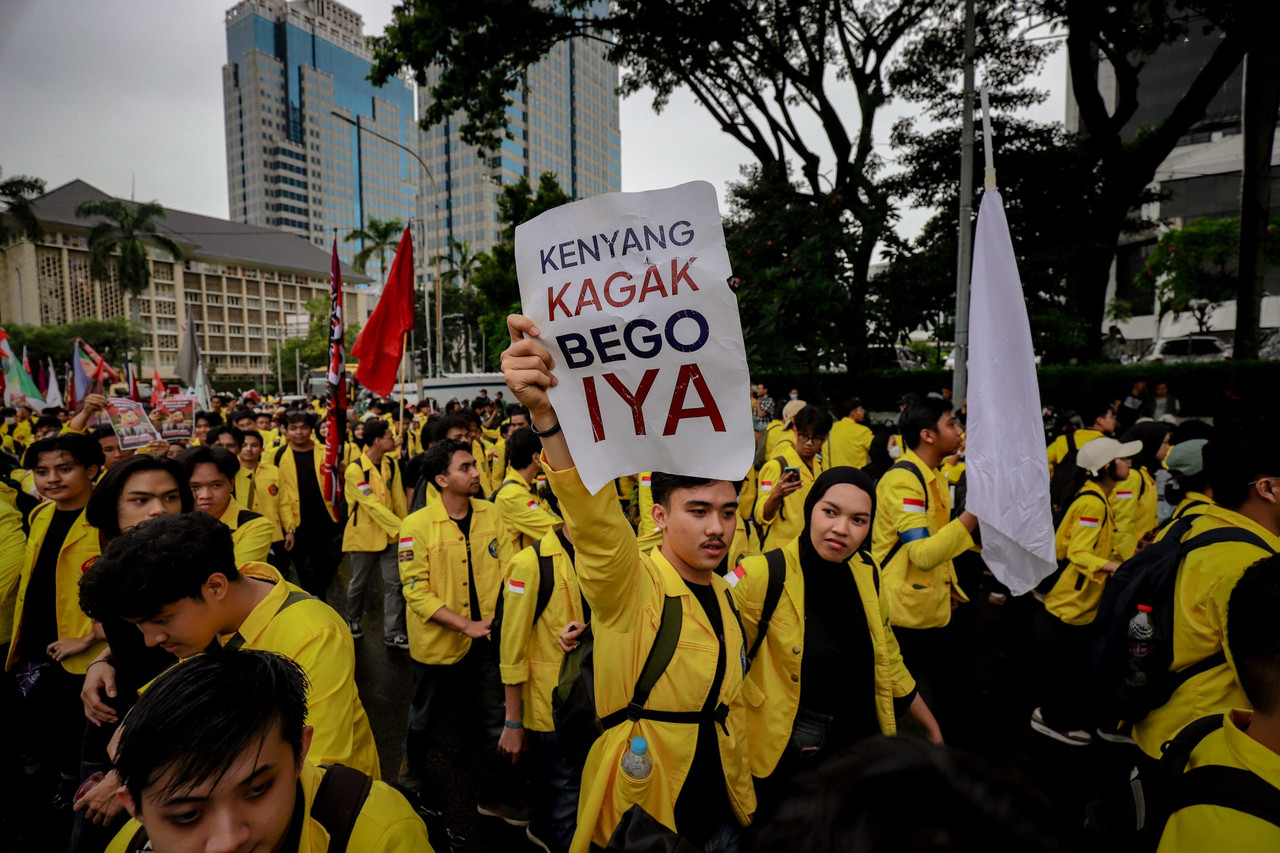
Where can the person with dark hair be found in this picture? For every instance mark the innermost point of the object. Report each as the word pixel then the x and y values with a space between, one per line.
pixel 517 418
pixel 218 755
pixel 375 509
pixel 901 795
pixel 204 421
pixel 231 439
pixel 423 490
pixel 1101 420
pixel 883 452
pixel 1131 408
pixel 243 420
pixel 53 641
pixel 312 534
pixel 526 518
pixel 826 661
pixel 785 479
pixel 211 473
pixel 850 439
pixel 176 579
pixel 1135 500
pixel 1086 546
pixel 453 557
pixel 915 541
pixel 266 427
pixel 260 483
pixel 694 718
pixel 1243 469
pixel 1249 740
pixel 110 444
pixel 480 450
pixel 47 426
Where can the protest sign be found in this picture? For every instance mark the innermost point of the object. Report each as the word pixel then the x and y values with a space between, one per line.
pixel 179 412
pixel 129 420
pixel 630 292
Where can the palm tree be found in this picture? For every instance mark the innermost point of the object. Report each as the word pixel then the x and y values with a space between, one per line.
pixel 462 264
pixel 122 238
pixel 378 236
pixel 16 195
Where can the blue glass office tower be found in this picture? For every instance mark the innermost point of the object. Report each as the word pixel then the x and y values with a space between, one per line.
pixel 291 163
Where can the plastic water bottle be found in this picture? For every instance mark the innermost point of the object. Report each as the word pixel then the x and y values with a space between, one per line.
pixel 636 762
pixel 1141 630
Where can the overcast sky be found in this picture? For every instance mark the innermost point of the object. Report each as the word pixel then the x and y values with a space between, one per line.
pixel 127 96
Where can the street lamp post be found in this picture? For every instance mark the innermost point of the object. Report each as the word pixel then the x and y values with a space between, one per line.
pixel 360 128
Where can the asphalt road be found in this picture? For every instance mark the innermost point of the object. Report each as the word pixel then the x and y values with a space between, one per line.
pixel 999 670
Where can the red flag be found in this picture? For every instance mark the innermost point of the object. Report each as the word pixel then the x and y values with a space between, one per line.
pixel 380 345
pixel 337 417
pixel 107 374
pixel 157 386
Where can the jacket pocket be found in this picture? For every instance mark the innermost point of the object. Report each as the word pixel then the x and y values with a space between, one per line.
pixel 752 694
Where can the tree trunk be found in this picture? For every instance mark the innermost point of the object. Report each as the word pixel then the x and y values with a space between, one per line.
pixel 1261 96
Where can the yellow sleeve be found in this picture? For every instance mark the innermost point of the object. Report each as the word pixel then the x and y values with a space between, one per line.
pixel 369 503
pixel 13 546
pixel 288 494
pixel 1083 542
pixel 903 683
pixel 328 658
pixel 521 511
pixel 415 570
pixel 253 540
pixel 1126 514
pixel 925 550
pixel 769 476
pixel 519 598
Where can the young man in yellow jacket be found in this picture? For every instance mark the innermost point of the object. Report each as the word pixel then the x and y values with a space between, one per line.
pixel 1244 470
pixel 526 518
pixel 701 785
pixel 375 508
pixel 454 554
pixel 1101 420
pixel 211 473
pixel 786 477
pixel 530 665
pixel 176 578
pixel 915 541
pixel 1247 741
pixel 53 641
pixel 260 482
pixel 312 535
pixel 850 439
pixel 217 756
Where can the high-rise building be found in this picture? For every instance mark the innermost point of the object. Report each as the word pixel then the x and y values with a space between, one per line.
pixel 293 164
pixel 564 120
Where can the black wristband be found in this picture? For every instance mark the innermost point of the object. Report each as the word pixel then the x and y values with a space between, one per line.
pixel 550 431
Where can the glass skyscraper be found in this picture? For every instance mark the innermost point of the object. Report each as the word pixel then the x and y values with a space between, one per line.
pixel 291 163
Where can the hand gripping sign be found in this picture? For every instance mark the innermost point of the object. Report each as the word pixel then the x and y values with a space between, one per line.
pixel 631 295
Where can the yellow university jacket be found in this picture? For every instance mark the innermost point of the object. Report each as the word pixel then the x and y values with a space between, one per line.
pixel 1134 502
pixel 79 550
pixel 848 444
pixel 12 552
pixel 1086 539
pixel 647 533
pixel 627 590
pixel 920 578
pixel 290 500
pixel 772 688
pixel 1206 827
pixel 375 504
pixel 386 823
pixel 259 490
pixel 251 533
pixel 788 521
pixel 530 651
pixel 434 557
pixel 316 637
pixel 527 520
pixel 1205 580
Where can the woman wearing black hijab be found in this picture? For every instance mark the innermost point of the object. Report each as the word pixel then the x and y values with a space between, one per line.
pixel 828 671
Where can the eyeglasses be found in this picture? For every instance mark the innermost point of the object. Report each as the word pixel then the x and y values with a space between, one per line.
pixel 1260 479
pixel 806 438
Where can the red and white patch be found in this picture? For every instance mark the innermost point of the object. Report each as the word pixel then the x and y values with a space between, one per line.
pixel 913 505
pixel 736 575
pixel 516 587
pixel 1086 521
pixel 766 485
pixel 1124 495
pixel 365 489
pixel 532 504
pixel 406 543
pixel 644 481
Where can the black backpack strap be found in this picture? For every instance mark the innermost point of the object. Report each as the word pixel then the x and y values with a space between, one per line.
pixel 1175 751
pixel 546 580
pixel 1228 787
pixel 1225 534
pixel 777 562
pixel 1186 509
pixel 904 465
pixel 660 655
pixel 245 517
pixel 280 454
pixel 501 486
pixel 295 595
pixel 338 801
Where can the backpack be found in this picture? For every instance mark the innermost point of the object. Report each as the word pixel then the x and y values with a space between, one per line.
pixel 1132 688
pixel 573 703
pixel 1062 483
pixel 546 585
pixel 339 797
pixel 906 466
pixel 493 498
pixel 1149 798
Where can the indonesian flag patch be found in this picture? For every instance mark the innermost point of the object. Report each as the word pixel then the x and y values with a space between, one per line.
pixel 1124 495
pixel 736 575
pixel 766 486
pixel 913 505
pixel 406 543
pixel 1086 521
pixel 364 489
pixel 516 587
pixel 532 504
pixel 644 480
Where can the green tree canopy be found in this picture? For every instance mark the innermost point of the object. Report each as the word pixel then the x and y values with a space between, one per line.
pixel 111 338
pixel 121 238
pixel 18 216
pixel 376 238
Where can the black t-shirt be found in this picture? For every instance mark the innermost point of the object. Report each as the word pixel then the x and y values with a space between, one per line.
pixel 39 613
pixel 464 524
pixel 310 500
pixel 413 470
pixel 703 804
pixel 136 663
pixel 837 673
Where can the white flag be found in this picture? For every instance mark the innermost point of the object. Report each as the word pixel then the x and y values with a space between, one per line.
pixel 1007 470
pixel 53 396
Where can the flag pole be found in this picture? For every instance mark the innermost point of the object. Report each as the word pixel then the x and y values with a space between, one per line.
pixel 403 353
pixel 988 144
pixel 964 257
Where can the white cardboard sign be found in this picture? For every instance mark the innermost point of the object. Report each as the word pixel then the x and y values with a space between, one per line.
pixel 631 294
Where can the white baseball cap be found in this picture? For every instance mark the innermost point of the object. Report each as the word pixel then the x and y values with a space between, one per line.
pixel 1101 452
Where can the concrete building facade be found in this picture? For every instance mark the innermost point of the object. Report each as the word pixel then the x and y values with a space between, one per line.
pixel 237 287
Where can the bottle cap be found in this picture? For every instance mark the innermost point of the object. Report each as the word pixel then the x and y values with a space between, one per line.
pixel 1145 608
pixel 639 746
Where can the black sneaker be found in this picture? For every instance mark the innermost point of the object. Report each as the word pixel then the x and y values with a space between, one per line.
pixel 399 641
pixel 356 631
pixel 509 812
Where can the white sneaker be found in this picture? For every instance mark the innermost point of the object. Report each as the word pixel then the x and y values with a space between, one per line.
pixel 1075 737
pixel 1114 736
